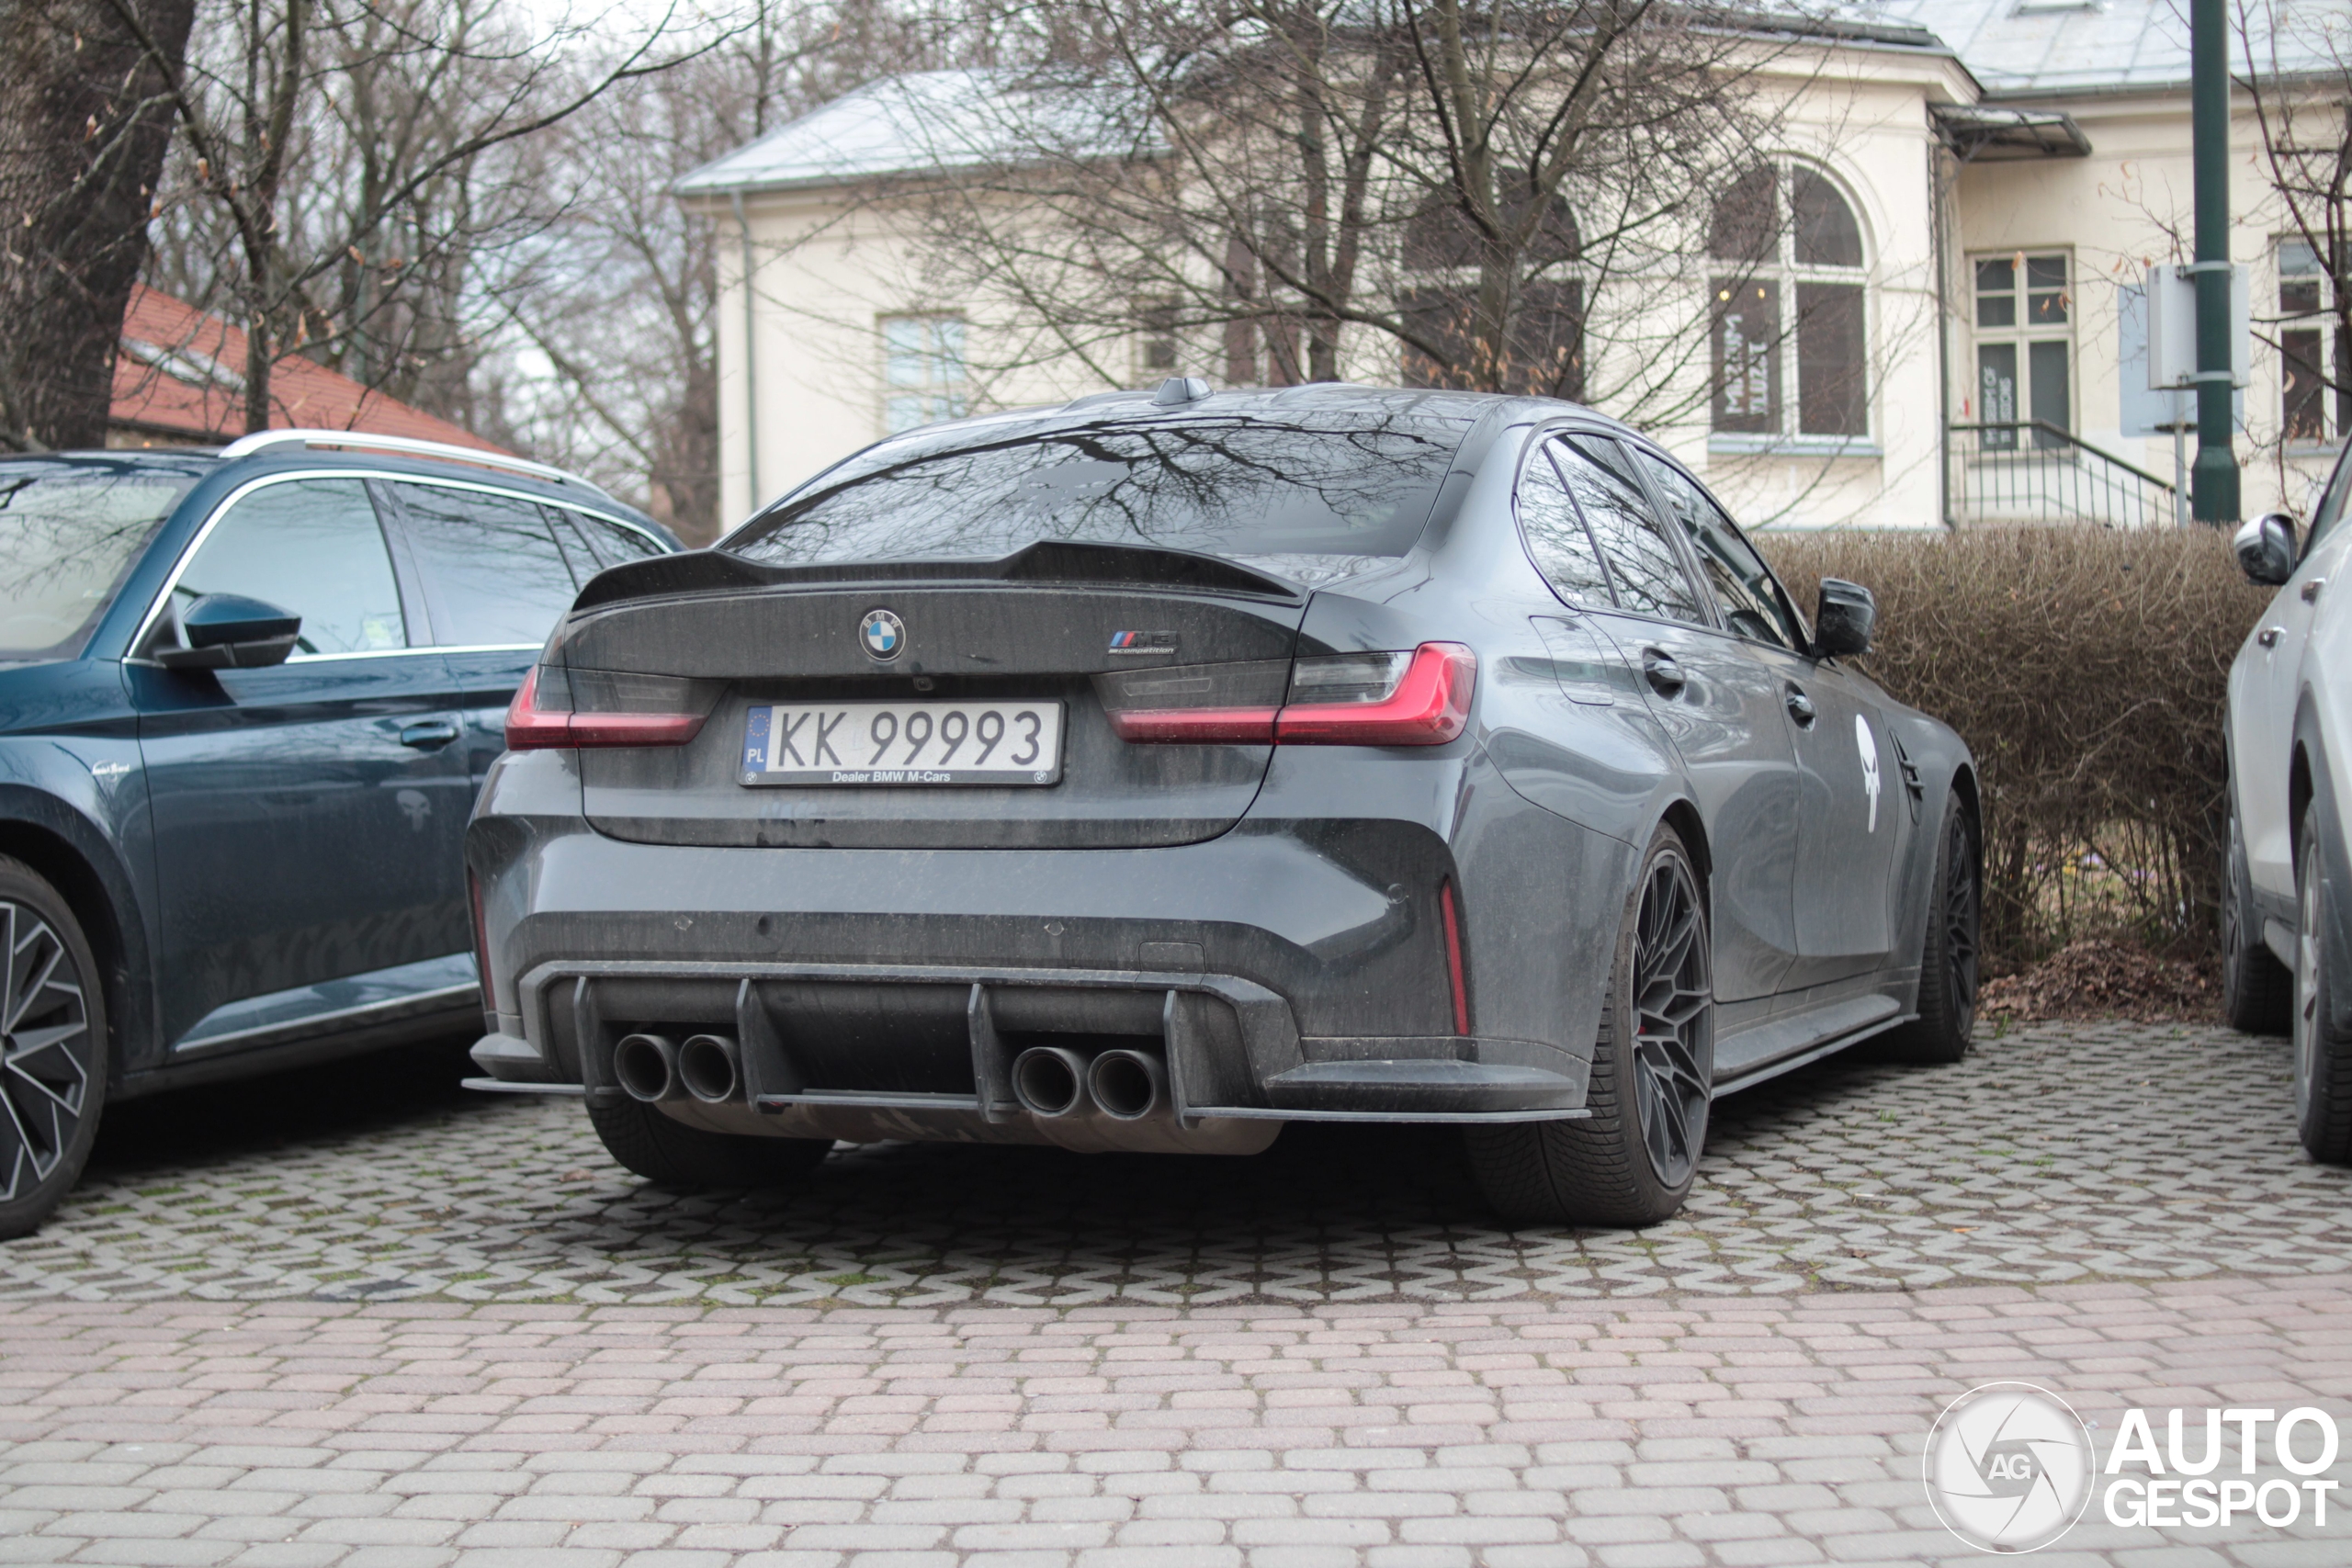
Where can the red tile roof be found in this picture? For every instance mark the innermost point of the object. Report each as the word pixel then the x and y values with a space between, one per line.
pixel 180 375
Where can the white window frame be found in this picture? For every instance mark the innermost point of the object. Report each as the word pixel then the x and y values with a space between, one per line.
pixel 2333 353
pixel 928 396
pixel 1785 270
pixel 2021 336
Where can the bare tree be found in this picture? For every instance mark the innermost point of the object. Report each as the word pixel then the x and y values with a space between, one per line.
pixel 84 118
pixel 1496 194
pixel 345 161
pixel 611 360
pixel 2298 79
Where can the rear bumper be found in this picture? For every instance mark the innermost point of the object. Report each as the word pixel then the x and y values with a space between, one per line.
pixel 937 1038
pixel 1281 972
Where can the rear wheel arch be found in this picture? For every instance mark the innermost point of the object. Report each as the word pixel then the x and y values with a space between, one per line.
pixel 1683 817
pixel 68 868
pixel 2298 795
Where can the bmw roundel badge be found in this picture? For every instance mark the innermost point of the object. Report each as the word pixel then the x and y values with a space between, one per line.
pixel 882 634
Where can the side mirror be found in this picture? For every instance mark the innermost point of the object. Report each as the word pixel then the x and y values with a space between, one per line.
pixel 1846 616
pixel 2265 549
pixel 228 631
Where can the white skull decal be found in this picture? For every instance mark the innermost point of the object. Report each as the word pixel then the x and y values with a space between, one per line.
pixel 1869 744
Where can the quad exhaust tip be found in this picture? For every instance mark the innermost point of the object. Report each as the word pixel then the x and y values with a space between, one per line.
pixel 646 1067
pixel 710 1068
pixel 1049 1080
pixel 1053 1081
pixel 1128 1085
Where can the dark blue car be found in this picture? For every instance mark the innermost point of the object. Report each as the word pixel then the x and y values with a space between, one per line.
pixel 246 698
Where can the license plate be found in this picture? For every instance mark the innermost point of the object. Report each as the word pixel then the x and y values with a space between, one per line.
pixel 903 743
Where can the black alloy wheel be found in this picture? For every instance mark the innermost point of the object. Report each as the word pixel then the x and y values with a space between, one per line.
pixel 52 1030
pixel 1632 1160
pixel 1674 1034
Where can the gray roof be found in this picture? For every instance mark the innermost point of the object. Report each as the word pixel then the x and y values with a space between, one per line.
pixel 926 121
pixel 938 120
pixel 2058 46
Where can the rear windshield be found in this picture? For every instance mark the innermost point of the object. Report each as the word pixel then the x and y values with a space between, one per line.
pixel 1340 486
pixel 66 542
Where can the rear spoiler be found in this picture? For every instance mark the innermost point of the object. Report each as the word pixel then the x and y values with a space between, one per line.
pixel 1060 562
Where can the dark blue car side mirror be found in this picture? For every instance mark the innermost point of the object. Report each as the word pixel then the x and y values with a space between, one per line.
pixel 1846 616
pixel 228 631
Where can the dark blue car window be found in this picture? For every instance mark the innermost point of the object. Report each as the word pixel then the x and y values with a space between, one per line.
pixel 612 543
pixel 312 547
pixel 493 574
pixel 67 540
pixel 1336 484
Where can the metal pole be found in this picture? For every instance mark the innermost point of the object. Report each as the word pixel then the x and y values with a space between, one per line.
pixel 751 363
pixel 2215 480
pixel 2180 514
pixel 1943 335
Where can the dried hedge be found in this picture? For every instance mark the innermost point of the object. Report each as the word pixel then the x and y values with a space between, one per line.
pixel 2087 670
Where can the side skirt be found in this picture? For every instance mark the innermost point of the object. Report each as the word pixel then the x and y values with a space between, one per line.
pixel 1816 1034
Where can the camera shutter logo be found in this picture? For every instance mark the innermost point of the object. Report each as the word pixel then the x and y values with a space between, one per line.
pixel 2008 1467
pixel 882 634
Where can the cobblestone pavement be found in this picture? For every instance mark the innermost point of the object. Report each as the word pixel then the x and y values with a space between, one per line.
pixel 2053 1154
pixel 1551 1435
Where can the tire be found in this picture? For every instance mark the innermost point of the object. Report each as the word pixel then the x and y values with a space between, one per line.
pixel 2322 1056
pixel 2258 992
pixel 670 1154
pixel 1631 1163
pixel 1948 952
pixel 53 1050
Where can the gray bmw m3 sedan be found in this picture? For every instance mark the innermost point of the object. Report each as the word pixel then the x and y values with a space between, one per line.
pixel 1149 771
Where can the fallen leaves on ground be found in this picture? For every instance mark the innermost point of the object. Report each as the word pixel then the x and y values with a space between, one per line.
pixel 2102 979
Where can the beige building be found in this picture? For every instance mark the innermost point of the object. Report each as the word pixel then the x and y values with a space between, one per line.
pixel 1985 186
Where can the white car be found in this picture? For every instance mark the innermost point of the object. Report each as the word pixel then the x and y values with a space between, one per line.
pixel 2286 902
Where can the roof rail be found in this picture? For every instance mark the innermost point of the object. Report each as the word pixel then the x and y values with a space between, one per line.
pixel 356 440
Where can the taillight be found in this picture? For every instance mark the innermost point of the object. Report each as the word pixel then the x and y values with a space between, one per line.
pixel 1420 698
pixel 612 710
pixel 1380 699
pixel 1229 703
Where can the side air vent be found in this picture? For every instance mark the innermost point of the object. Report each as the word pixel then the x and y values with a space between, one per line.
pixel 1911 784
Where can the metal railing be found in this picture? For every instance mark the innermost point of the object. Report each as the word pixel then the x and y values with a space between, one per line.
pixel 2032 471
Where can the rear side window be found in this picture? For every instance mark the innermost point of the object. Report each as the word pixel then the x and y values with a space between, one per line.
pixel 1556 538
pixel 312 547
pixel 1648 577
pixel 493 574
pixel 66 542
pixel 1308 482
pixel 611 542
pixel 1751 601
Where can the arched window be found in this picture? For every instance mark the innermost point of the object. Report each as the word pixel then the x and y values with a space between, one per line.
pixel 1786 298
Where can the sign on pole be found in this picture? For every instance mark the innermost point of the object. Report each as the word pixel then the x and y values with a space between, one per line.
pixel 2172 327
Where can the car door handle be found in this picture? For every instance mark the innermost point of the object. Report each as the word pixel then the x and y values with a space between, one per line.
pixel 1665 675
pixel 429 735
pixel 2311 590
pixel 1800 708
pixel 2268 635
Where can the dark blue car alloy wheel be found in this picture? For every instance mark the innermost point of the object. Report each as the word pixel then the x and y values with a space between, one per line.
pixel 46 1050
